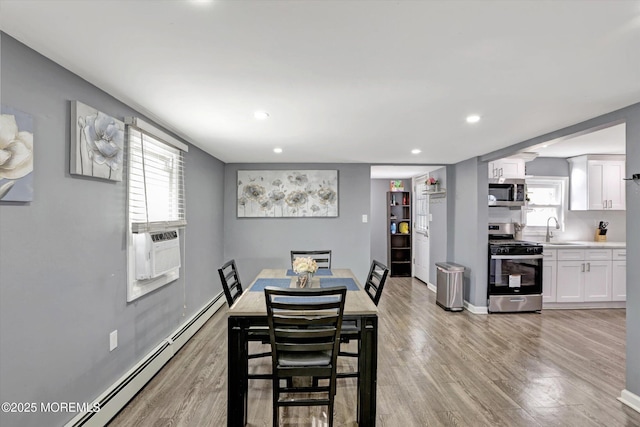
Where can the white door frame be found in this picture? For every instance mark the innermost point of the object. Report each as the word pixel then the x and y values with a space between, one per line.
pixel 420 229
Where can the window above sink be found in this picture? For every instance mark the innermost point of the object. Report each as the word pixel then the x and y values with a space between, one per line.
pixel 547 197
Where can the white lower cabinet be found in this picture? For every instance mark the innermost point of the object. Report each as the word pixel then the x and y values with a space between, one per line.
pixel 619 275
pixel 584 275
pixel 549 266
pixel 570 281
pixel 597 281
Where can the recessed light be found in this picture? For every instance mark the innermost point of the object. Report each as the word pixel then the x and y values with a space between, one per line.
pixel 474 118
pixel 416 151
pixel 545 145
pixel 277 150
pixel 261 115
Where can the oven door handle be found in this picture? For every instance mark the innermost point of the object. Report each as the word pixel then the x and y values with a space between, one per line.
pixel 516 256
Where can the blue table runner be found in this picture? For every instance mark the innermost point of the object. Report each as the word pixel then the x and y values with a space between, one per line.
pixel 261 283
pixel 319 272
pixel 327 282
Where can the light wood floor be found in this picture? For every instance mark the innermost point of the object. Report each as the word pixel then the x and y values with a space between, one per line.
pixel 435 368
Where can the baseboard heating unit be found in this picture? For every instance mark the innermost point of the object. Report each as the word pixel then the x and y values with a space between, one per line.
pixel 119 394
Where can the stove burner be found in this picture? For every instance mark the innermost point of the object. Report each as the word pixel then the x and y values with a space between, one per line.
pixel 512 242
pixel 514 247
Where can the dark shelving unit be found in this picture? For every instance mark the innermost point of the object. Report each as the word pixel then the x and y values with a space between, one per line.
pixel 399 247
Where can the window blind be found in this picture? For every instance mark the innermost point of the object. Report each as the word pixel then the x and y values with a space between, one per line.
pixel 546 199
pixel 156 183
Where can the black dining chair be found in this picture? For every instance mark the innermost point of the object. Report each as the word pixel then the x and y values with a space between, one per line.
pixel 323 258
pixel 351 329
pixel 304 330
pixel 375 280
pixel 232 288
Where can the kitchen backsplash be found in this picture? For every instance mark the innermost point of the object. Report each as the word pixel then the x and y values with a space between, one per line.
pixel 579 225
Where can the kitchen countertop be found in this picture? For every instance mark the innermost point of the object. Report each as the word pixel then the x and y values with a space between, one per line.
pixel 584 245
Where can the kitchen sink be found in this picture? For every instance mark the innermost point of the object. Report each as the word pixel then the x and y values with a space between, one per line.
pixel 562 244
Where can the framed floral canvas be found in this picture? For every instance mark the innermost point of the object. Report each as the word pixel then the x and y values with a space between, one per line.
pixel 97 143
pixel 16 156
pixel 287 193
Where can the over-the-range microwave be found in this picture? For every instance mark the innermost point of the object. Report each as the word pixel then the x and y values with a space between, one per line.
pixel 507 192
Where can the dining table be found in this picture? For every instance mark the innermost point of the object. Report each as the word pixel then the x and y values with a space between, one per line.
pixel 249 310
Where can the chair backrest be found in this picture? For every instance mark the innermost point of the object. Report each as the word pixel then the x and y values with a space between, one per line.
pixel 375 281
pixel 305 321
pixel 230 281
pixel 323 258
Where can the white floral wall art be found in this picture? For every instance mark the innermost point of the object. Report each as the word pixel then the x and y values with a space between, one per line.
pixel 97 143
pixel 287 193
pixel 16 156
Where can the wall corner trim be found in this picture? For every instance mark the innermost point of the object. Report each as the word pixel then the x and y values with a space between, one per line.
pixel 475 309
pixel 630 399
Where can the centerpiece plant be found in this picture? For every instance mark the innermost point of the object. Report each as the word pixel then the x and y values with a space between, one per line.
pixel 305 268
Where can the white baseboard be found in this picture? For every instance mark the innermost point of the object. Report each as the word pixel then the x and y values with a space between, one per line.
pixel 118 395
pixel 475 309
pixel 469 307
pixel 630 399
pixel 582 305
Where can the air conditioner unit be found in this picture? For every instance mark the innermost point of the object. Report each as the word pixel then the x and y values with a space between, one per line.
pixel 156 254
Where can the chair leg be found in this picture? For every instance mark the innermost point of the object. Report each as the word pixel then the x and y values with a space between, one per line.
pixel 275 421
pixel 330 414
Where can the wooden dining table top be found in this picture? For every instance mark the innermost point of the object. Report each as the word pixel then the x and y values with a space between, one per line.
pixel 252 303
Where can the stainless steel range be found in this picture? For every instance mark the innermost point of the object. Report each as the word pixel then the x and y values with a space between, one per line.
pixel 515 271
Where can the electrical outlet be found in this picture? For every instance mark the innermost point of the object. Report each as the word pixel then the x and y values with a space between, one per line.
pixel 113 340
pixel 364 218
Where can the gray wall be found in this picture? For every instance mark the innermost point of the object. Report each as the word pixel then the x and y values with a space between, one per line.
pixel 632 116
pixel 438 226
pixel 257 243
pixel 467 232
pixel 547 166
pixel 63 256
pixel 379 223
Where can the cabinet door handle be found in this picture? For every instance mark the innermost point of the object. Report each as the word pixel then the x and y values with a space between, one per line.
pixel 610 204
pixel 588 266
pixel 582 267
pixel 604 202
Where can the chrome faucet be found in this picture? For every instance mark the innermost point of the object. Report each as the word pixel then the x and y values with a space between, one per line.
pixel 550 233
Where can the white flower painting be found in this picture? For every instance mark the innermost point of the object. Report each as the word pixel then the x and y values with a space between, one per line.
pixel 287 193
pixel 16 156
pixel 97 143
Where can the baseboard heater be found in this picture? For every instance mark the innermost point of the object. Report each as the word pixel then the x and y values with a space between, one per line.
pixel 120 393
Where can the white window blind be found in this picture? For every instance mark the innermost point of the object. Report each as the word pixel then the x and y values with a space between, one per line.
pixel 156 183
pixel 547 198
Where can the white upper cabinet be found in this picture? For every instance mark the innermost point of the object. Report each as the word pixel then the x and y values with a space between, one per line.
pixel 597 182
pixel 507 168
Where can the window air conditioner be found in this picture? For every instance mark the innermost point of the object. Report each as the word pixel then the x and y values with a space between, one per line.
pixel 156 254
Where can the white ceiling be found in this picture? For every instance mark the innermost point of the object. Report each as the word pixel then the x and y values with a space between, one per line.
pixel 610 140
pixel 346 81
